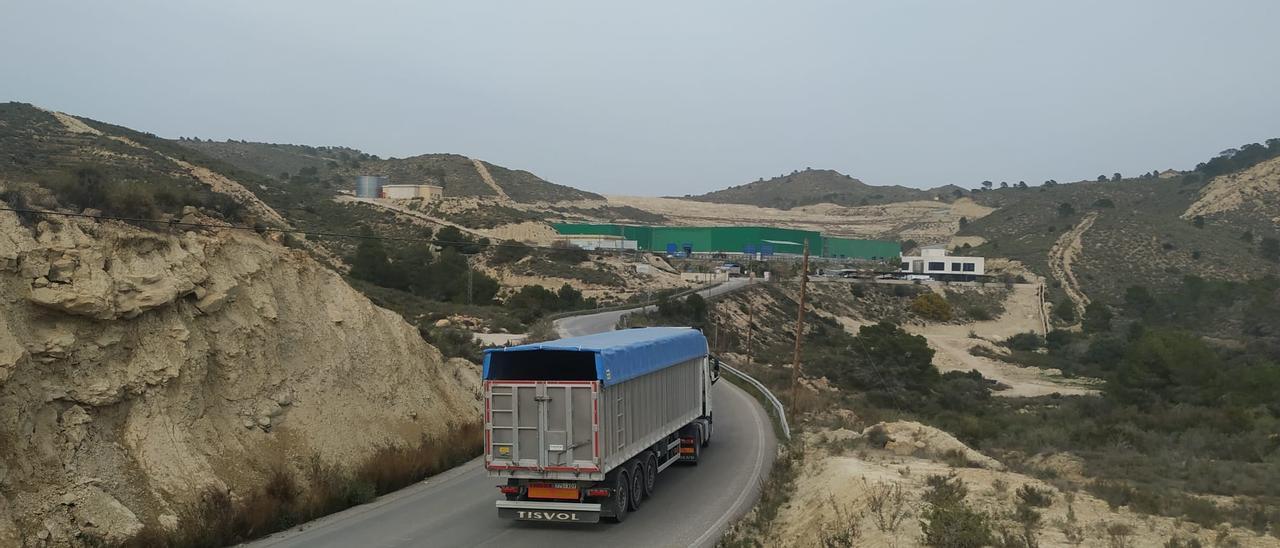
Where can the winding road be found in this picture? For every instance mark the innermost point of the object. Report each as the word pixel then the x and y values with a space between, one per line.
pixel 692 507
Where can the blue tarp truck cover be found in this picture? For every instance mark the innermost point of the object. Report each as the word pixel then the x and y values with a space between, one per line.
pixel 619 355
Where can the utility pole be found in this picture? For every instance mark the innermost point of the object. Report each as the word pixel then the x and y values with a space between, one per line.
pixel 795 361
pixel 751 306
pixel 470 271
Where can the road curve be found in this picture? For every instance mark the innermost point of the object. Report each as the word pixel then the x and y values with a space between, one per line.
pixel 692 506
pixel 574 326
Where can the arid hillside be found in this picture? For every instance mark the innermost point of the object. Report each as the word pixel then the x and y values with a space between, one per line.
pixel 1250 197
pixel 156 377
pixel 1094 239
pixel 820 186
pixel 142 369
pixel 460 176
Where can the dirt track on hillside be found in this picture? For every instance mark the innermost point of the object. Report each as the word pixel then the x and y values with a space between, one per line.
pixel 1023 313
pixel 1065 252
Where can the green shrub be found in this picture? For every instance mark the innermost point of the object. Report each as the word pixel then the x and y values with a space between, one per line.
pixel 1097 318
pixel 945 490
pixel 563 252
pixel 877 437
pixel 453 342
pixel 509 252
pixel 1027 341
pixel 1065 310
pixel 1034 496
pixel 932 306
pixel 947 521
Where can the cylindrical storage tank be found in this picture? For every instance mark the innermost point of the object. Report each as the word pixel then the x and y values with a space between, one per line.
pixel 369 186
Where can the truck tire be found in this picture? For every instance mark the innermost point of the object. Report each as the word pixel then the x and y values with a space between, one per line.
pixel 619 496
pixel 637 485
pixel 650 474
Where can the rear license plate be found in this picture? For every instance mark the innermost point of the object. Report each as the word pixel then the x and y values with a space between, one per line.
pixel 553 492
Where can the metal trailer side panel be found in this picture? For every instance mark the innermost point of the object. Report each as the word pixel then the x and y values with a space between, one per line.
pixel 638 413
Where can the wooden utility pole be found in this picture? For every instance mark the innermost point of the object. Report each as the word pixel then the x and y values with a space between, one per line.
pixel 751 306
pixel 795 361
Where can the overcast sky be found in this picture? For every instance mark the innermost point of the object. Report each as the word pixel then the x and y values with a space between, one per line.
pixel 676 97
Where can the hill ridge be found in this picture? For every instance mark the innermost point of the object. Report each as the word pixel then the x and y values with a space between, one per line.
pixel 814 186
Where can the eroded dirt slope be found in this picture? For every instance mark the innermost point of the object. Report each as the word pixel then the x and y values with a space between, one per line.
pixel 139 369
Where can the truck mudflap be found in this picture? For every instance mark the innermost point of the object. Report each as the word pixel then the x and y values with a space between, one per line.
pixel 551 512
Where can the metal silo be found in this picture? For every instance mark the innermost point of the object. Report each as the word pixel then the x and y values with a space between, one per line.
pixel 369 186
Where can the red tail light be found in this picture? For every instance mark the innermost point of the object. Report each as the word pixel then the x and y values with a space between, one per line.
pixel 509 489
pixel 599 492
pixel 686 440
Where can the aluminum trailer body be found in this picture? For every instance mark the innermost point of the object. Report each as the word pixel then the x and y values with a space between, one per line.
pixel 579 428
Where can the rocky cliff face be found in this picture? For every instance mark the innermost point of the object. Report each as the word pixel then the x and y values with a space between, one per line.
pixel 140 368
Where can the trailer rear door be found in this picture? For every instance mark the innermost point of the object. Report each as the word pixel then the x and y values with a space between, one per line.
pixel 542 425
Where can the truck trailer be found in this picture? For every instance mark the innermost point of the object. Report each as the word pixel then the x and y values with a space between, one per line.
pixel 580 428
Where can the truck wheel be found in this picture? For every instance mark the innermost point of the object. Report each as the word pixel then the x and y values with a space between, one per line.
pixel 621 498
pixel 637 485
pixel 650 474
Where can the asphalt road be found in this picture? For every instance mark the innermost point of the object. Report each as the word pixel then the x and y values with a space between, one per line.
pixel 692 506
pixel 574 326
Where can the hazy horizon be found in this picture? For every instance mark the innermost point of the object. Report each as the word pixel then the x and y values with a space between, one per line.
pixel 673 99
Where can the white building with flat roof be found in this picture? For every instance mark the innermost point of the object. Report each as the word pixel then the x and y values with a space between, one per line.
pixel 409 192
pixel 934 262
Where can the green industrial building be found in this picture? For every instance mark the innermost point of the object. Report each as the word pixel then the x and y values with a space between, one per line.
pixel 733 239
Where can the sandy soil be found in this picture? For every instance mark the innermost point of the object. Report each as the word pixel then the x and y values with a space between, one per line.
pixel 919 220
pixel 836 487
pixel 1023 312
pixel 500 339
pixel 488 180
pixel 73 124
pixel 529 231
pixel 1255 186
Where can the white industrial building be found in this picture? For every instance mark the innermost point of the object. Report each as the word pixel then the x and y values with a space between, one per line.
pixel 409 192
pixel 591 243
pixel 934 262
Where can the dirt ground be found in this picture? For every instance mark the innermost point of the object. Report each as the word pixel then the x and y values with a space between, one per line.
pixel 837 483
pixel 1023 312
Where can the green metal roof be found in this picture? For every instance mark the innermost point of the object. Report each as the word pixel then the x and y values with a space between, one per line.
pixel 735 239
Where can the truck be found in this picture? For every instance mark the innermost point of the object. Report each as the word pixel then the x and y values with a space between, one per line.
pixel 580 428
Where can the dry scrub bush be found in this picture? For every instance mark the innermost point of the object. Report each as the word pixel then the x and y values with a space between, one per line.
pixel 888 504
pixel 842 531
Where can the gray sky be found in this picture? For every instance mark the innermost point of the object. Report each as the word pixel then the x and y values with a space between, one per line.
pixel 676 97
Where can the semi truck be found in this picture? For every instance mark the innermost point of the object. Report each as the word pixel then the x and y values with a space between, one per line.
pixel 580 428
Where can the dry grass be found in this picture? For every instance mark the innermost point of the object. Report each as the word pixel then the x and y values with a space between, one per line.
pixel 282 501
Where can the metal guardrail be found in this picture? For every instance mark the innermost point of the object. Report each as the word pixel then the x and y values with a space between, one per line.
pixel 777 405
